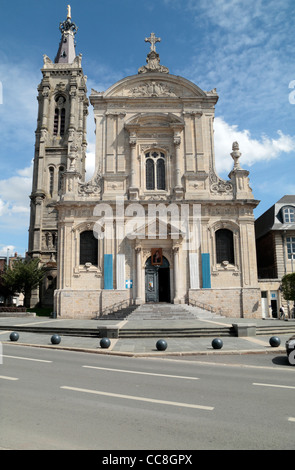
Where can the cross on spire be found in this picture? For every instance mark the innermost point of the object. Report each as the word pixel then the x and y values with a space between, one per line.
pixel 153 40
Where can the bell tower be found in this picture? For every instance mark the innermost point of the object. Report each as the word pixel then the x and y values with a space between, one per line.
pixel 61 126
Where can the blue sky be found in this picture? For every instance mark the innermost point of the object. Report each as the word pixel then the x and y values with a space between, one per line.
pixel 245 50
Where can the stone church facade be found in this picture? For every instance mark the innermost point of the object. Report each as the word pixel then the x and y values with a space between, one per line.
pixel 155 223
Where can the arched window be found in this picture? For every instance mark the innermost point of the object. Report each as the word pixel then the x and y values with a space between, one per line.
pixel 224 246
pixel 59 116
pixel 155 170
pixel 51 180
pixel 88 248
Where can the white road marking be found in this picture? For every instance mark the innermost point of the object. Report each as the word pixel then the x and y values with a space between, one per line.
pixel 27 358
pixel 7 378
pixel 274 385
pixel 291 419
pixel 142 373
pixel 130 397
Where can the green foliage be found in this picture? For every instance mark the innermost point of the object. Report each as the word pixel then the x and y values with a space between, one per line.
pixel 22 277
pixel 288 286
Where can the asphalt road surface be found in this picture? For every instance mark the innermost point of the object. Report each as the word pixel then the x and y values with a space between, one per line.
pixel 54 399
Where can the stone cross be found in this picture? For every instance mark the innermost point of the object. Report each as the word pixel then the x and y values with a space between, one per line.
pixel 152 40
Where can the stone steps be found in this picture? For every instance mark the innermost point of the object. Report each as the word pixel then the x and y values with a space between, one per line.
pixel 175 332
pixel 166 312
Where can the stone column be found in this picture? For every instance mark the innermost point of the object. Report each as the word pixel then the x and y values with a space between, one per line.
pixel 178 190
pixel 176 274
pixel 133 189
pixel 177 161
pixel 45 94
pixel 138 299
pixel 132 142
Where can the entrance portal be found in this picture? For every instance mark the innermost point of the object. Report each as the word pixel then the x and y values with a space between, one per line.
pixel 157 281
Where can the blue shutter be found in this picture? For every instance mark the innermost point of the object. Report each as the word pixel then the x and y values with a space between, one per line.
pixel 108 271
pixel 206 273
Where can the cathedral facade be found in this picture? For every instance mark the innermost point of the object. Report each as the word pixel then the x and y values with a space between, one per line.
pixel 155 223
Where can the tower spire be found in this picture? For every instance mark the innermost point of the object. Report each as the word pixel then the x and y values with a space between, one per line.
pixel 66 52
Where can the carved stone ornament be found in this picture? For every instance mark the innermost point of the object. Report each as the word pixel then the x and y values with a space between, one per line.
pixel 153 64
pixel 236 154
pixel 152 88
pixel 218 185
pixel 92 188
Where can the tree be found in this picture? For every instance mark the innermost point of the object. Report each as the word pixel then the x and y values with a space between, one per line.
pixel 6 290
pixel 288 287
pixel 23 277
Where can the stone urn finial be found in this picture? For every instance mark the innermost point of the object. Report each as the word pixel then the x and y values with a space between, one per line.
pixel 236 155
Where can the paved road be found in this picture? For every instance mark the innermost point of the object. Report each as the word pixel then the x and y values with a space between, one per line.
pixel 54 399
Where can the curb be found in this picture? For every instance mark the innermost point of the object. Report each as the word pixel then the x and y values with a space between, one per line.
pixel 279 350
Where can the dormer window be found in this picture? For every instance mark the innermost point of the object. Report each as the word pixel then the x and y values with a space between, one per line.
pixel 289 215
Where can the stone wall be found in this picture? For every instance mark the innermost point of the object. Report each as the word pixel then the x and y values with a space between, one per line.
pixel 89 304
pixel 234 303
pixel 79 304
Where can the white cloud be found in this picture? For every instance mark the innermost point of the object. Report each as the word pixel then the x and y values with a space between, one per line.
pixel 90 161
pixel 4 249
pixel 15 191
pixel 252 150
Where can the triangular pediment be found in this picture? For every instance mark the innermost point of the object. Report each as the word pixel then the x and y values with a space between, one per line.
pixel 156 229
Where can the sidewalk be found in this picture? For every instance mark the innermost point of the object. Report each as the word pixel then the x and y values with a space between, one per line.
pixel 144 346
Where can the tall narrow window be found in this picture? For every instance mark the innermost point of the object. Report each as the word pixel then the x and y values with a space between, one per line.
pixel 59 117
pixel 51 180
pixel 150 174
pixel 88 248
pixel 291 247
pixel 155 170
pixel 160 174
pixel 224 246
pixel 62 121
pixel 56 121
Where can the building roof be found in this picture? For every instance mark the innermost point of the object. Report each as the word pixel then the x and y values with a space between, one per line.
pixel 66 52
pixel 272 219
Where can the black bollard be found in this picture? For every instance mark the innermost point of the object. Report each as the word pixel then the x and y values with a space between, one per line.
pixel 217 343
pixel 161 345
pixel 274 341
pixel 105 343
pixel 14 336
pixel 55 339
